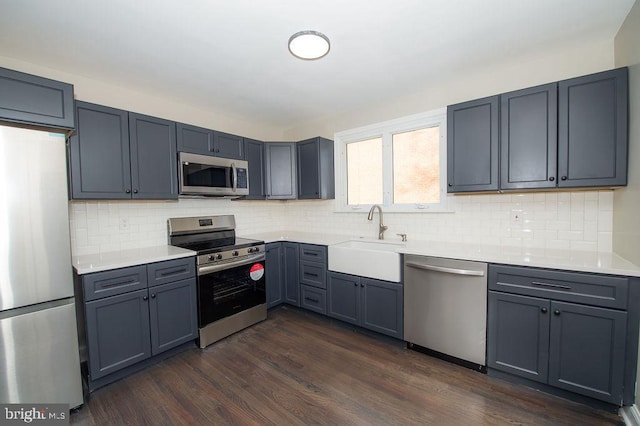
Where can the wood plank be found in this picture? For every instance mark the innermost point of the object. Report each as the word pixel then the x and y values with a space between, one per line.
pixel 301 368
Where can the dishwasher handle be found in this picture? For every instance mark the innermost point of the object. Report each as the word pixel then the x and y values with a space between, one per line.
pixel 454 271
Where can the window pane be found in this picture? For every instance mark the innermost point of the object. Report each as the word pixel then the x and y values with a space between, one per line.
pixel 364 172
pixel 416 166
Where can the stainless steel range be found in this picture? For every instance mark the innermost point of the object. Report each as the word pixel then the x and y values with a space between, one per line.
pixel 231 281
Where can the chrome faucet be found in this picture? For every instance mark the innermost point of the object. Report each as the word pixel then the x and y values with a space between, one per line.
pixel 381 227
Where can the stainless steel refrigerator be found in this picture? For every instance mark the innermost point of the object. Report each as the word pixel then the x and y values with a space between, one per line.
pixel 39 360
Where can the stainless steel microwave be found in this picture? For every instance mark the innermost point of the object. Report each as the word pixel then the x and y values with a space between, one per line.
pixel 212 176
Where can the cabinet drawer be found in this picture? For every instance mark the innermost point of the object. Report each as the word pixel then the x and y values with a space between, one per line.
pixel 313 253
pixel 170 270
pixel 110 283
pixel 314 299
pixel 592 289
pixel 313 274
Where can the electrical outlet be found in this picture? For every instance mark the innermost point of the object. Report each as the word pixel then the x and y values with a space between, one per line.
pixel 516 215
pixel 124 224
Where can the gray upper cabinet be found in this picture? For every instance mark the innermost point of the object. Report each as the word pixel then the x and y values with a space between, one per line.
pixel 228 146
pixel 280 171
pixel 99 153
pixel 592 130
pixel 209 142
pixel 194 139
pixel 254 154
pixel 154 161
pixel 472 146
pixel 115 154
pixel 528 138
pixel 31 99
pixel 315 169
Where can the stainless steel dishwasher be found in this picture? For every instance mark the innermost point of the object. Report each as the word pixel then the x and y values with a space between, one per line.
pixel 445 308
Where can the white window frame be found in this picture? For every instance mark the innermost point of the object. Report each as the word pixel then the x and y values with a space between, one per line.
pixel 386 130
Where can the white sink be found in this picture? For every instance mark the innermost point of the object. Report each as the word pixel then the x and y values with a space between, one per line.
pixel 367 258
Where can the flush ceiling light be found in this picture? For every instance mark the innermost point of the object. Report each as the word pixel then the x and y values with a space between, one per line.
pixel 309 45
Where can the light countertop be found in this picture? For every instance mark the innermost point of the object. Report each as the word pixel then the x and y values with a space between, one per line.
pixel 572 260
pixel 89 263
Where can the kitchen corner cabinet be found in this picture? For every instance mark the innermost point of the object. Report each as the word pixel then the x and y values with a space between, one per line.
pixel 593 130
pixel 282 274
pixel 280 171
pixel 274 275
pixel 115 154
pixel 134 313
pixel 35 100
pixel 254 154
pixel 472 146
pixel 528 138
pixel 373 304
pixel 564 329
pixel 198 140
pixel 315 169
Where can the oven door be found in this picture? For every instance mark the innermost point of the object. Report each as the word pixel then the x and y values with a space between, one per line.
pixel 224 292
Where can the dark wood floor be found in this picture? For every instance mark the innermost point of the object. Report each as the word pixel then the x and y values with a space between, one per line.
pixel 299 368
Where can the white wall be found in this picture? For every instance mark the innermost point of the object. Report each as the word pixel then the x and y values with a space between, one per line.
pixel 578 220
pixel 626 229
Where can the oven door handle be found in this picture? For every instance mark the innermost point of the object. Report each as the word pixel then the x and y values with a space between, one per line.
pixel 204 270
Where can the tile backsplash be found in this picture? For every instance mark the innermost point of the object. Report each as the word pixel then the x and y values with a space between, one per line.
pixel 580 220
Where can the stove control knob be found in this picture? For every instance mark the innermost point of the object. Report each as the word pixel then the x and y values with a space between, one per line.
pixel 235 253
pixel 210 257
pixel 250 250
pixel 219 256
pixel 256 249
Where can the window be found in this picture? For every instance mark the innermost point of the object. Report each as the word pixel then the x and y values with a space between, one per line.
pixel 399 164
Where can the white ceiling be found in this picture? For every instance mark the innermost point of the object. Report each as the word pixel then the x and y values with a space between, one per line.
pixel 232 55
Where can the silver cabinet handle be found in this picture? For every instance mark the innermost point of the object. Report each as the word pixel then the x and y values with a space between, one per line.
pixel 234 176
pixel 454 271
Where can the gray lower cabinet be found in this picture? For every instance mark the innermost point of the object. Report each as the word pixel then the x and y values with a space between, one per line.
pixel 254 154
pixel 291 273
pixel 538 331
pixel 282 274
pixel 372 304
pixel 132 314
pixel 203 141
pixel 313 277
pixel 36 100
pixel 117 332
pixel 115 154
pixel 274 274
pixel 472 146
pixel 315 169
pixel 280 171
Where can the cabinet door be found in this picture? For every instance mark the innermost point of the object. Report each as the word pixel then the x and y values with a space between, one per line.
pixel 344 297
pixel 291 273
pixel 315 169
pixel 154 162
pixel 172 313
pixel 382 307
pixel 31 99
pixel 280 174
pixel 592 130
pixel 228 146
pixel 254 152
pixel 472 146
pixel 308 169
pixel 194 139
pixel 587 350
pixel 117 332
pixel 528 138
pixel 518 335
pixel 274 275
pixel 99 153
